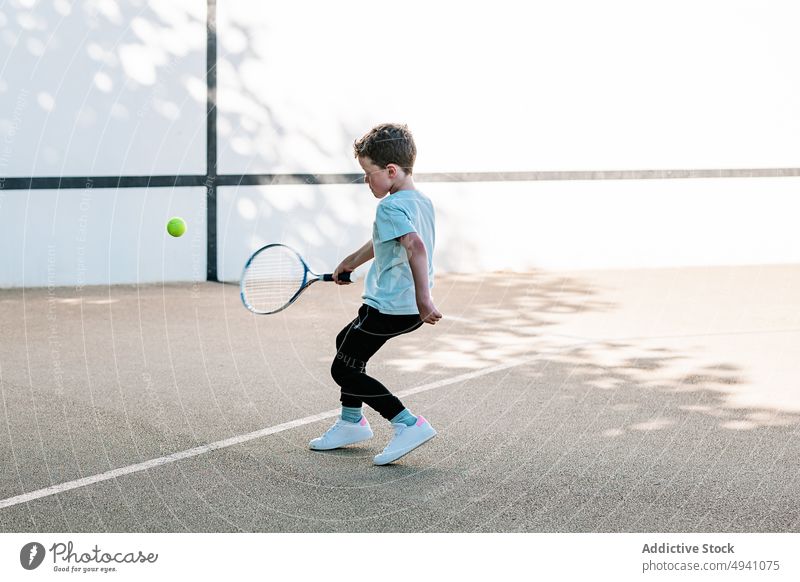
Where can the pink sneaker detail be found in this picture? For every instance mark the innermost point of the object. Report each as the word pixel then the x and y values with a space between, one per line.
pixel 363 420
pixel 421 421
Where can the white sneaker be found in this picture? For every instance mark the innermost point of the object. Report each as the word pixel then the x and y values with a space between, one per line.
pixel 341 434
pixel 406 439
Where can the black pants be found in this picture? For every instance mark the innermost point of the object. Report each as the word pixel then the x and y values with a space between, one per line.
pixel 355 345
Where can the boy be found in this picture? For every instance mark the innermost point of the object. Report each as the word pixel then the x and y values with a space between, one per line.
pixel 397 297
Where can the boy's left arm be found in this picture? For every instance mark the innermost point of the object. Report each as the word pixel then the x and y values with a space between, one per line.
pixel 418 261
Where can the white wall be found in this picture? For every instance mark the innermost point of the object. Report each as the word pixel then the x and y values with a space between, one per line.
pixel 508 85
pixel 102 87
pixel 100 237
pixel 112 87
pixel 518 226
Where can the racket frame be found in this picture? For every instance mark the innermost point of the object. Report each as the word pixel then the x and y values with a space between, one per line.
pixel 306 281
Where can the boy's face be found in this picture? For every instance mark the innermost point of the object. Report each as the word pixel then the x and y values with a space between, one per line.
pixel 378 179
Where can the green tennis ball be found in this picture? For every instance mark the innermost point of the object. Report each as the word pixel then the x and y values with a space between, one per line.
pixel 176 226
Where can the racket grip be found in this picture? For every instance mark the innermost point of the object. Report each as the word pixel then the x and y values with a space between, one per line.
pixel 343 277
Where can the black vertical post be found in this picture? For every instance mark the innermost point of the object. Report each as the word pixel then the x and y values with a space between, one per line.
pixel 211 141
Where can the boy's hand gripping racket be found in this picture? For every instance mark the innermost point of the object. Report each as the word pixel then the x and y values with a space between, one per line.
pixel 274 277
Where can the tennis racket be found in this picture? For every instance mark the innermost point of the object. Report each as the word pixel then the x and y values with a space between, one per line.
pixel 274 277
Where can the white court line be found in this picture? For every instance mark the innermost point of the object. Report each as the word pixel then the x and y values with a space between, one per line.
pixel 113 474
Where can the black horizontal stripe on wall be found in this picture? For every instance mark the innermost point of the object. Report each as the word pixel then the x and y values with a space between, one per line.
pixel 72 182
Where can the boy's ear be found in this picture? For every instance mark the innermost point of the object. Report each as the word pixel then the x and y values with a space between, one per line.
pixel 392 170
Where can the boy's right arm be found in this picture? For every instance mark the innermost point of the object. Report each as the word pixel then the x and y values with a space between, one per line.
pixel 353 261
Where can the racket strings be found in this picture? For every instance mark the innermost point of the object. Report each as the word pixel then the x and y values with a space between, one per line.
pixel 272 279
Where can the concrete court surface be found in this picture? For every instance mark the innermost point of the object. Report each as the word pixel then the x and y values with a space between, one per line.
pixel 609 401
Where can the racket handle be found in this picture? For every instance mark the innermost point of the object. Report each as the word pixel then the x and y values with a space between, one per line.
pixel 343 277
